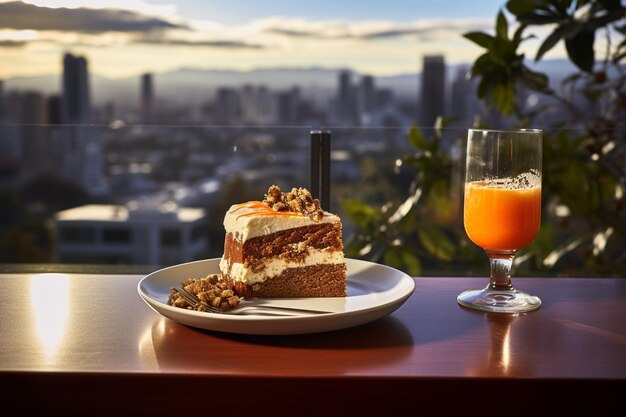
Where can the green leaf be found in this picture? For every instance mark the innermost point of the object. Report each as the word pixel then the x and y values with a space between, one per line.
pixel 561 6
pixel 503 52
pixel 538 19
pixel 480 39
pixel 535 80
pixel 611 4
pixel 416 138
pixel 503 96
pixel 483 65
pixel 412 264
pixel 485 86
pixel 521 7
pixel 402 258
pixel 361 214
pixel 572 28
pixel 592 94
pixel 502 26
pixel 550 41
pixel 439 202
pixel 517 37
pixel 436 242
pixel 580 50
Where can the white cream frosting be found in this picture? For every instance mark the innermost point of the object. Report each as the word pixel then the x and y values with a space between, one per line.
pixel 242 222
pixel 274 267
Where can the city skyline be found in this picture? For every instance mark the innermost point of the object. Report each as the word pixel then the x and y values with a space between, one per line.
pixel 129 38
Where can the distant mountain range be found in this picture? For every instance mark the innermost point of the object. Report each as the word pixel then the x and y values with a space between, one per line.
pixel 198 85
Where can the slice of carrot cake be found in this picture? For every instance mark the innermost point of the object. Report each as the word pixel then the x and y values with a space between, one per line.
pixel 283 246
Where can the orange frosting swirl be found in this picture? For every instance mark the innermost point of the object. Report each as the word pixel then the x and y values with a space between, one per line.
pixel 260 209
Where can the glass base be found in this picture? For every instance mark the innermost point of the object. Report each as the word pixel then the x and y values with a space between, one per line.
pixel 499 301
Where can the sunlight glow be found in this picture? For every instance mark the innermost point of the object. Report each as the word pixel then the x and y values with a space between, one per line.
pixel 49 295
pixel 18 35
pixel 600 240
pixel 506 351
pixel 145 346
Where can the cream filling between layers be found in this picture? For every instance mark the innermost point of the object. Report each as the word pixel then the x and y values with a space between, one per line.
pixel 274 267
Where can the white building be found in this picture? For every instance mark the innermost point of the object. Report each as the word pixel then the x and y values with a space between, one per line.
pixel 132 235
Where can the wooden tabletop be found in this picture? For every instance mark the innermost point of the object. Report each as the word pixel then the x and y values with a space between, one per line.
pixel 88 345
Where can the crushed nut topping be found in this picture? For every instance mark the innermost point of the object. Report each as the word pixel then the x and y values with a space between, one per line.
pixel 210 290
pixel 298 200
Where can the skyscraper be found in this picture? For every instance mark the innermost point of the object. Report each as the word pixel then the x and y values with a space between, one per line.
pixel 147 99
pixel 75 143
pixel 346 101
pixel 34 115
pixel 76 106
pixel 432 102
pixel 1 100
pixel 366 95
pixel 459 98
pixel 227 106
pixel 288 103
pixel 9 144
pixel 23 142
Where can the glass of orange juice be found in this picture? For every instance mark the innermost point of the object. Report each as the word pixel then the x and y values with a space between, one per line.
pixel 502 210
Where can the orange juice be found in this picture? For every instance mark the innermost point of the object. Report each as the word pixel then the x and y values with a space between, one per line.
pixel 501 218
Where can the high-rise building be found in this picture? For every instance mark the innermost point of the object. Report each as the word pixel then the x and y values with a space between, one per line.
pixel 34 116
pixel 54 110
pixel 287 106
pixel 9 146
pixel 23 142
pixel 2 111
pixel 76 105
pixel 75 143
pixel 432 103
pixel 366 95
pixel 147 99
pixel 346 111
pixel 256 104
pixel 227 106
pixel 459 98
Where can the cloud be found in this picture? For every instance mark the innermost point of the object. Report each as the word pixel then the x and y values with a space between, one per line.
pixel 19 15
pixel 372 30
pixel 7 43
pixel 226 44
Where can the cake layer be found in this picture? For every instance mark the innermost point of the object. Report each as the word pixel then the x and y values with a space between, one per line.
pixel 276 266
pixel 326 280
pixel 289 245
pixel 252 219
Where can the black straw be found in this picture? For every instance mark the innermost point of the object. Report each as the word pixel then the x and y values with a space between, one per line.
pixel 320 167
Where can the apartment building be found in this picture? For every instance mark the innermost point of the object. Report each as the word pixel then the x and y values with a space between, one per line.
pixel 133 234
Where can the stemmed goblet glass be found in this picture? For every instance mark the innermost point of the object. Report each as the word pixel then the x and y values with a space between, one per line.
pixel 502 210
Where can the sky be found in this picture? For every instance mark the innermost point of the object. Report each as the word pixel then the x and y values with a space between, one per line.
pixel 124 38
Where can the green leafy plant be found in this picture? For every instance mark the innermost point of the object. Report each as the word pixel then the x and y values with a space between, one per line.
pixel 584 182
pixel 584 153
pixel 422 231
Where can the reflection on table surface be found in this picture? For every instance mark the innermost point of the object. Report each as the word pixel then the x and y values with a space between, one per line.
pixel 84 323
pixel 73 332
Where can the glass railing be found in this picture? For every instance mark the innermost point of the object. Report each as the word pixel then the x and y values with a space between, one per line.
pixel 134 198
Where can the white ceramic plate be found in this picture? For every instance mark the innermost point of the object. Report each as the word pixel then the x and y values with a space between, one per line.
pixel 374 291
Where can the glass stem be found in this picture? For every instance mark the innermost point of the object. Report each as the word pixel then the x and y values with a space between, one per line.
pixel 500 270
